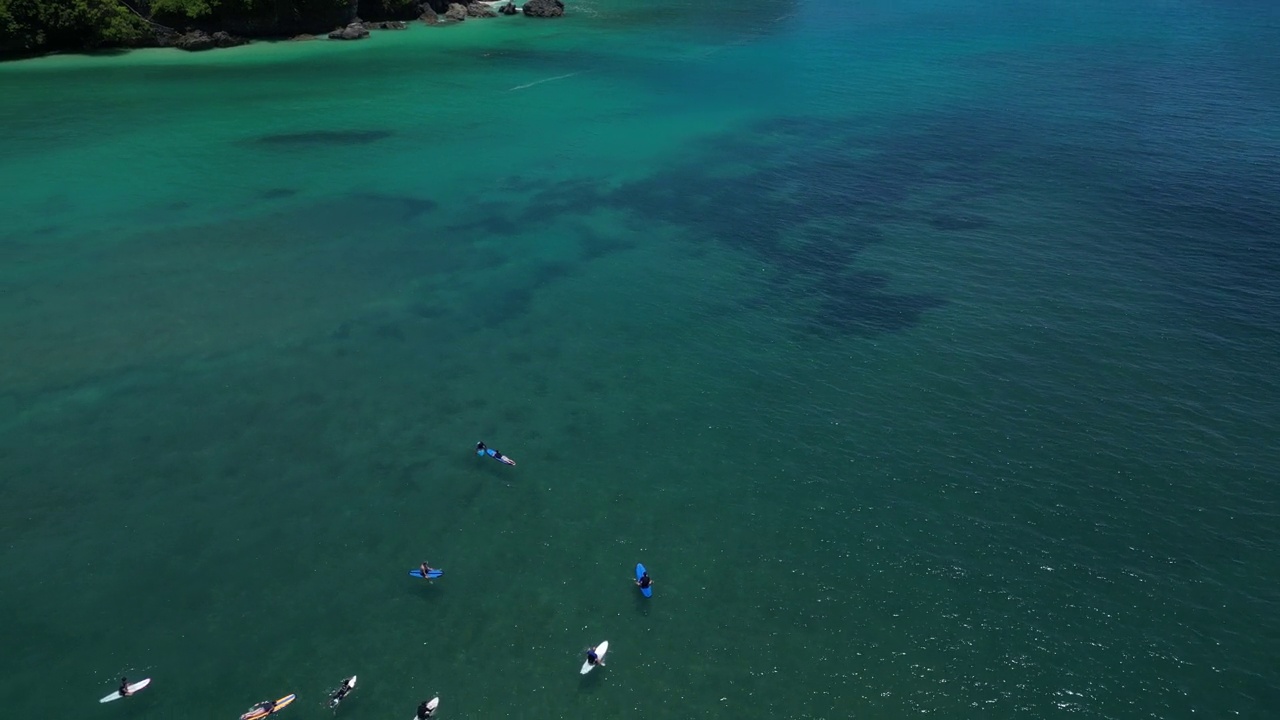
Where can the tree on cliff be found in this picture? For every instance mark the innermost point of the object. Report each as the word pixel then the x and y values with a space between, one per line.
pixel 245 9
pixel 34 26
pixel 31 27
pixel 280 13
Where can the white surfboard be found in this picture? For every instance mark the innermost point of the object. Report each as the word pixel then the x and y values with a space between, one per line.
pixel 431 705
pixel 601 649
pixel 133 688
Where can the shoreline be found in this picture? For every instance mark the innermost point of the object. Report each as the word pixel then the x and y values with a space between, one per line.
pixel 224 34
pixel 262 48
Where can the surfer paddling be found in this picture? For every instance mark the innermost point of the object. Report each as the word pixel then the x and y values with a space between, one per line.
pixel 262 709
pixel 347 686
pixel 482 450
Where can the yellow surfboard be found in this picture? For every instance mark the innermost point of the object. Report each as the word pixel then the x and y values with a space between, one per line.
pixel 258 711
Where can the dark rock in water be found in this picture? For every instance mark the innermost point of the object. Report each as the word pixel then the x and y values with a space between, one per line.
pixel 386 25
pixel 543 8
pixel 194 41
pixel 224 39
pixel 429 16
pixel 302 37
pixel 509 9
pixel 354 31
pixel 456 13
pixel 480 10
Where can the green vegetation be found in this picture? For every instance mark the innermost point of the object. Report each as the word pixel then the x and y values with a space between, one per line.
pixel 390 7
pixel 34 26
pixel 193 9
pixel 270 10
pixel 30 27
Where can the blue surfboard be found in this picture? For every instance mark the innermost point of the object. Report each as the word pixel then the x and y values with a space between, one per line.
pixel 647 592
pixel 433 574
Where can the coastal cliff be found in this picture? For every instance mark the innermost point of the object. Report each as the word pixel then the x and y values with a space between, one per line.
pixel 34 27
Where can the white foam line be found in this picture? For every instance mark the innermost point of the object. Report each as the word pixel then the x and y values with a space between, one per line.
pixel 544 80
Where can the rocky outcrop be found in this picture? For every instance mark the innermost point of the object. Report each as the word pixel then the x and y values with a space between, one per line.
pixel 456 13
pixel 304 36
pixel 354 31
pixel 165 37
pixel 225 40
pixel 480 10
pixel 386 25
pixel 197 40
pixel 194 41
pixel 543 8
pixel 509 9
pixel 429 16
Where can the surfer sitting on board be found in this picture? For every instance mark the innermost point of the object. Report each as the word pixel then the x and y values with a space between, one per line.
pixel 425 568
pixel 644 582
pixel 424 711
pixel 124 687
pixel 593 658
pixel 482 450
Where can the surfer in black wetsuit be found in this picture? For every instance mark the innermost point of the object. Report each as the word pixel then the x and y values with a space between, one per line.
pixel 593 658
pixel 424 712
pixel 644 582
pixel 124 687
pixel 341 693
pixel 425 569
pixel 268 707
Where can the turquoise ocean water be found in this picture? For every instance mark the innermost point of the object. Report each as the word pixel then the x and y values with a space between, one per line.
pixel 924 350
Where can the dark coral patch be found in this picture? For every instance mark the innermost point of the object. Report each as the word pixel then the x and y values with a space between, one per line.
pixel 323 138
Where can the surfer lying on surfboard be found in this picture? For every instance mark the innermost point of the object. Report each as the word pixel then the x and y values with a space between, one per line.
pixel 262 709
pixel 347 686
pixel 482 450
